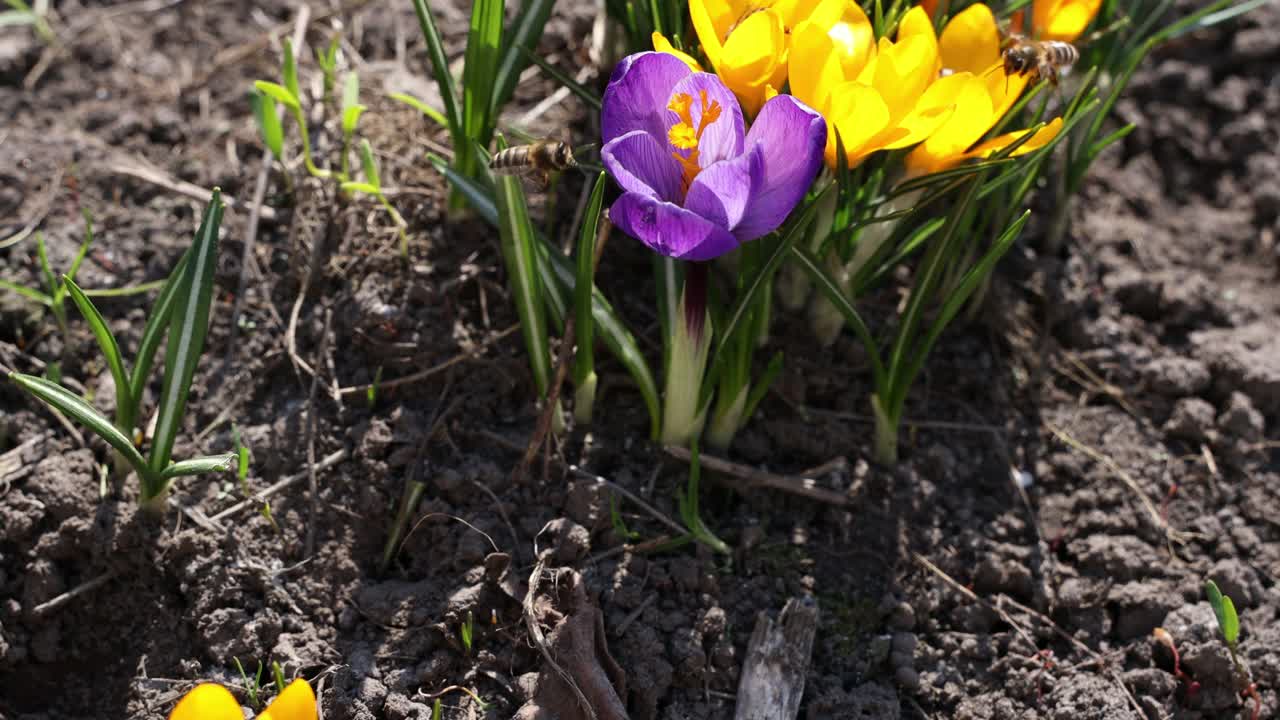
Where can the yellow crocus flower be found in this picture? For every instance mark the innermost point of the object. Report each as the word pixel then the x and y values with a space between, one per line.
pixel 881 96
pixel 970 52
pixel 208 701
pixel 1062 20
pixel 747 42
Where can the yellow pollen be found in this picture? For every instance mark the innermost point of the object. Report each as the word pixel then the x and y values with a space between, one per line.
pixel 683 136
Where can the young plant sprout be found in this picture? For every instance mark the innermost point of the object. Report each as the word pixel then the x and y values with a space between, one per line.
pixel 182 311
pixel 208 701
pixel 1229 624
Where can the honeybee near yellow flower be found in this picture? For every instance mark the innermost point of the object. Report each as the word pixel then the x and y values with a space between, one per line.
pixel 1041 59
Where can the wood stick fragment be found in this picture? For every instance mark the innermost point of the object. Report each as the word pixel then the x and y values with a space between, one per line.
pixel 777 661
pixel 803 486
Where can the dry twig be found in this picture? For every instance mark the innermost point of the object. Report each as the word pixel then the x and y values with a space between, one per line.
pixel 802 486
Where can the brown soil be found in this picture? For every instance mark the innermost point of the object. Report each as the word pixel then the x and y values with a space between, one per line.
pixel 1130 382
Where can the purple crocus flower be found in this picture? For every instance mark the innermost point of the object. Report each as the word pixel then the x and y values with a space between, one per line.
pixel 695 185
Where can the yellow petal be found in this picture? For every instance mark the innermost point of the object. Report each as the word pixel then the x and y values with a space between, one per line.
pixel 859 114
pixel 207 702
pixel 971 41
pixel 850 32
pixel 1037 141
pixel 661 44
pixel 297 702
pixel 754 55
pixel 1003 89
pixel 814 68
pixel 916 23
pixel 934 108
pixel 1042 12
pixel 903 70
pixel 1068 20
pixel 972 118
pixel 712 20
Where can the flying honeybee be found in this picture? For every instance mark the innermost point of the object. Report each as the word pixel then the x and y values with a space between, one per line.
pixel 538 159
pixel 1046 59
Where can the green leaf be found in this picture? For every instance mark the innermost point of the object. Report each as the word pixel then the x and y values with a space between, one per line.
pixel 523 34
pixel 84 245
pixel 432 114
pixel 350 117
pixel 440 67
pixel 558 273
pixel 584 360
pixel 517 235
pixel 50 280
pixel 358 187
pixel 153 331
pixel 1225 610
pixel 26 292
pixel 744 301
pixel 264 111
pixel 831 289
pixel 200 465
pixel 350 91
pixel 370 164
pixel 587 96
pixel 289 71
pixel 110 351
pixel 277 93
pixel 188 326
pixel 74 407
pixel 484 40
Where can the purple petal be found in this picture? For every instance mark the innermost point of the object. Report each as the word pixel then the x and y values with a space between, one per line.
pixel 721 192
pixel 793 137
pixel 669 229
pixel 721 139
pixel 640 165
pixel 637 95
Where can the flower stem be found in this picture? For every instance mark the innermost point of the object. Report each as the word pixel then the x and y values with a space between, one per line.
pixel 886 433
pixel 682 419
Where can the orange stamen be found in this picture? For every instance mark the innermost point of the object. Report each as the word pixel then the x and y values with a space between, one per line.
pixel 683 136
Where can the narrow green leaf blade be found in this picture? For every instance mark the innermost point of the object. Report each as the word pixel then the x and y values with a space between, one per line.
pixel 358 187
pixel 74 407
pixel 370 164
pixel 201 465
pixel 516 232
pixel 289 71
pixel 153 331
pixel 524 34
pixel 484 40
pixel 584 361
pixel 278 93
pixel 558 273
pixel 84 246
pixel 188 326
pixel 264 112
pixel 439 66
pixel 350 118
pixel 350 91
pixel 26 292
pixel 432 114
pixel 575 87
pixel 110 351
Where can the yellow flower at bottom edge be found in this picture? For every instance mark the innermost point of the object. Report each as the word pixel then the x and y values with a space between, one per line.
pixel 970 50
pixel 208 701
pixel 876 97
